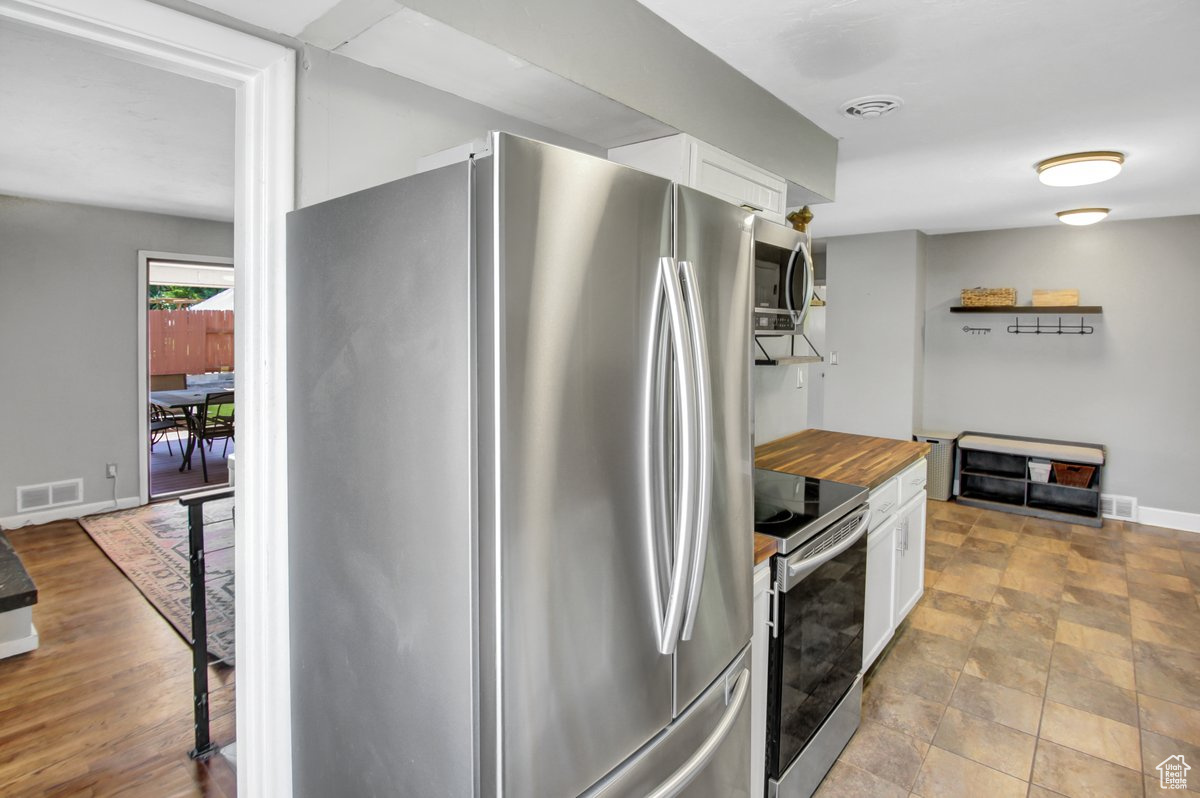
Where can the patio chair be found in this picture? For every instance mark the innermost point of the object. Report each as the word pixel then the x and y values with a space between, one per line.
pixel 162 423
pixel 214 422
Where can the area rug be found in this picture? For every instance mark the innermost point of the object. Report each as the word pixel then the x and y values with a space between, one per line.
pixel 150 545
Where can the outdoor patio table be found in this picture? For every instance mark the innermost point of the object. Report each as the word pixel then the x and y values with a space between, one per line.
pixel 187 401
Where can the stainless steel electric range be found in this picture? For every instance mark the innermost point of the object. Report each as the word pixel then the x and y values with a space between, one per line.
pixel 814 685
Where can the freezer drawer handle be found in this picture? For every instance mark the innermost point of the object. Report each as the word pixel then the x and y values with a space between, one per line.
pixel 685 522
pixel 691 768
pixel 704 440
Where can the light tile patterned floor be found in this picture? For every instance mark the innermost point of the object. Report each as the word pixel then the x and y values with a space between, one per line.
pixel 1045 659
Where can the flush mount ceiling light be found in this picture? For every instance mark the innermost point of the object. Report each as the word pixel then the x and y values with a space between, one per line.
pixel 1080 169
pixel 1082 216
pixel 872 107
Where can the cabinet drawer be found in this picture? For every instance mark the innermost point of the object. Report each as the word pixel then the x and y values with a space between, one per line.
pixel 912 480
pixel 884 500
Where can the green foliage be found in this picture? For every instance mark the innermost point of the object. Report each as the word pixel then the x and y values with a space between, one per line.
pixel 160 296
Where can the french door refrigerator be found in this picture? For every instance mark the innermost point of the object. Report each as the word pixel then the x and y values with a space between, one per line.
pixel 520 483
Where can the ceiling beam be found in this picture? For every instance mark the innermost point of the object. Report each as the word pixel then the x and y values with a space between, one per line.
pixel 620 49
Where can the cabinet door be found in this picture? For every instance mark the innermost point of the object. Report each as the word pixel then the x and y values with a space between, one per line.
pixel 716 172
pixel 881 569
pixel 910 556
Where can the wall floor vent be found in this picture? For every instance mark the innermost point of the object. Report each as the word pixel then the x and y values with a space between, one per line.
pixel 1123 508
pixel 31 498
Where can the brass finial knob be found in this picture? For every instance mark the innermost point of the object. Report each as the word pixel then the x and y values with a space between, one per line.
pixel 800 219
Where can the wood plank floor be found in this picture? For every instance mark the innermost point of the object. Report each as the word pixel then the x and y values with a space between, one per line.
pixel 104 706
pixel 166 478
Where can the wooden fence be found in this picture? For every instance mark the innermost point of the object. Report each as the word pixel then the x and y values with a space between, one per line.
pixel 190 341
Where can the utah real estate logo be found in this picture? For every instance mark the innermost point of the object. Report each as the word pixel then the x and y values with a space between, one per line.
pixel 1172 773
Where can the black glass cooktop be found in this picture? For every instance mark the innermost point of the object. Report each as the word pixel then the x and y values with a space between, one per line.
pixel 794 508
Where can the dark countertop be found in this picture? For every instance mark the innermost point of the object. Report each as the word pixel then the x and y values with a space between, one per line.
pixel 16 588
pixel 839 456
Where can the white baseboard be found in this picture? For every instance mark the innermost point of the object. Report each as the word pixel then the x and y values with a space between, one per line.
pixel 10 648
pixel 71 511
pixel 1171 519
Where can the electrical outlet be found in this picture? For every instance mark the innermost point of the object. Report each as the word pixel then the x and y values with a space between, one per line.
pixel 110 471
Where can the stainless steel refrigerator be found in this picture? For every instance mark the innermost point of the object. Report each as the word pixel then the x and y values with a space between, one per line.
pixel 520 483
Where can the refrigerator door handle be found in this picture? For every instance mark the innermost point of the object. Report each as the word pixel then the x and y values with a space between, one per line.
pixel 680 779
pixel 684 518
pixel 704 449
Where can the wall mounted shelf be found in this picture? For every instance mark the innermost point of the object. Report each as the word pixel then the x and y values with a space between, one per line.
pixel 1058 310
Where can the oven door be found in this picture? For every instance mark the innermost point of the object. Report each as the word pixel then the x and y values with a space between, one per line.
pixel 816 648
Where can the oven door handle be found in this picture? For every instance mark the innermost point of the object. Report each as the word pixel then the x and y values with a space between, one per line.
pixel 796 572
pixel 680 779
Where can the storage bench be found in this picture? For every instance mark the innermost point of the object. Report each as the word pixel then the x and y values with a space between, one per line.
pixel 992 471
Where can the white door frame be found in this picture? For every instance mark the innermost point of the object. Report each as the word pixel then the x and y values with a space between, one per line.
pixel 143 318
pixel 263 77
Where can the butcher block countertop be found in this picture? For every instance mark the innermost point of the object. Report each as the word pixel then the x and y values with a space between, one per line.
pixel 838 456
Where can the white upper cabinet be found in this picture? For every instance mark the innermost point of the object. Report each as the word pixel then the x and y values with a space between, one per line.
pixel 702 166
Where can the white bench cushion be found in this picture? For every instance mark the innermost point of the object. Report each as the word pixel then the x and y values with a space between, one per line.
pixel 1050 451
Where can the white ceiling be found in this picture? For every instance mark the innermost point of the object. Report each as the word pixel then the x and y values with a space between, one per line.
pixel 82 126
pixel 990 88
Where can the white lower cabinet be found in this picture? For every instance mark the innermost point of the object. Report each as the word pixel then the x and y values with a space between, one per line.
pixel 759 644
pixel 895 558
pixel 910 556
pixel 878 612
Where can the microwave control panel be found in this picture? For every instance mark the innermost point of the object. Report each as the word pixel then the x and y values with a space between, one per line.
pixel 770 320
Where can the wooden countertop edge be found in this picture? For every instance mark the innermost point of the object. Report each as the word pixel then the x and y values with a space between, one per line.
pixel 764 545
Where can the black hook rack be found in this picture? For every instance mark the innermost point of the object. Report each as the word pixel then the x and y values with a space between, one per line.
pixel 976 330
pixel 1050 329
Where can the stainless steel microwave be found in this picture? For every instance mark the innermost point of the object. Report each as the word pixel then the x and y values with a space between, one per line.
pixel 783 278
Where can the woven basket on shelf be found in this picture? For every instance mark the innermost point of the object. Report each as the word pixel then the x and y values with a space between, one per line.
pixel 1075 476
pixel 982 297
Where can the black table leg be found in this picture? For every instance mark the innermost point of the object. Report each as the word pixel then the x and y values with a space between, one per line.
pixel 191 443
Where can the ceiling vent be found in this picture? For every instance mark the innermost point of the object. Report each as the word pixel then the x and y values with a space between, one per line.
pixel 871 107
pixel 1122 507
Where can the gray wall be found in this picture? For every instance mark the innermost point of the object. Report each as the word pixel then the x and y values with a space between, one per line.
pixel 68 338
pixel 876 293
pixel 358 126
pixel 1132 386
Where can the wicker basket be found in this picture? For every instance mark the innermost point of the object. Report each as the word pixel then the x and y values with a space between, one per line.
pixel 982 297
pixel 1075 476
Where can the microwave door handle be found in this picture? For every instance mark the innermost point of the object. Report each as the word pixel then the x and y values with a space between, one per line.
pixel 810 283
pixel 704 440
pixel 795 572
pixel 685 388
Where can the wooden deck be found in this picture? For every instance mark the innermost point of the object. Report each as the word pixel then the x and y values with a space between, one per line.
pixel 166 478
pixel 104 706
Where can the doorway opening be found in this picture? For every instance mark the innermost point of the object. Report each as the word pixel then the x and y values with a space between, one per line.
pixel 189 331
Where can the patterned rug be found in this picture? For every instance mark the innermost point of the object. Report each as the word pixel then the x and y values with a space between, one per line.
pixel 150 545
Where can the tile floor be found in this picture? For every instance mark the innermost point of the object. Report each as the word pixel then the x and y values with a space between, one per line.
pixel 1044 659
